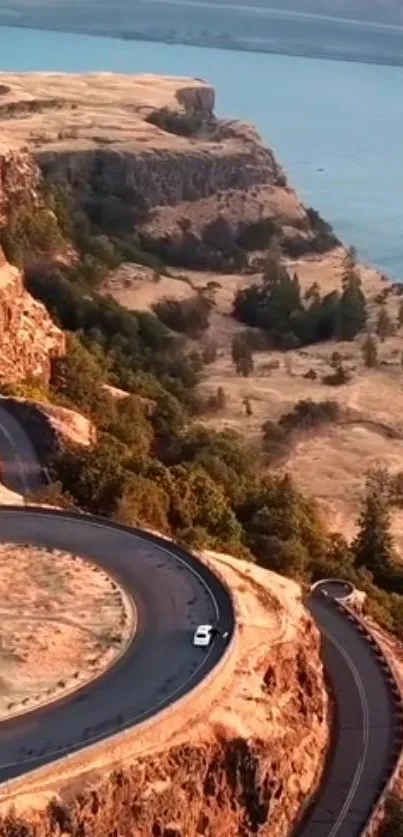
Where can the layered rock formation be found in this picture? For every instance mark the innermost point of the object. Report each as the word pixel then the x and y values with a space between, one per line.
pixel 19 174
pixel 28 337
pixel 148 153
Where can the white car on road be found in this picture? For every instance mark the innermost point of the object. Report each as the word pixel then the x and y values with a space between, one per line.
pixel 203 636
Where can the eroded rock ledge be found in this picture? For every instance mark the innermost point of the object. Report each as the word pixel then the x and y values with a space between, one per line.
pixel 150 151
pixel 28 337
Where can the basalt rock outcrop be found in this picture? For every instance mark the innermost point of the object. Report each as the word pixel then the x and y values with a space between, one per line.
pixel 28 337
pixel 147 153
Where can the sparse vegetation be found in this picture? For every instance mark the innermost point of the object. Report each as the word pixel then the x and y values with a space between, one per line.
pixel 384 325
pixel 242 356
pixel 338 378
pixel 184 124
pixel 370 352
pixel 217 400
pixel 278 437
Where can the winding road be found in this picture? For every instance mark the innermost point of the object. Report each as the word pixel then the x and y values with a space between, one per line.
pixel 368 728
pixel 173 593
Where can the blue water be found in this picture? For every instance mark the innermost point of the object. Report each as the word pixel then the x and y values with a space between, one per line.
pixel 337 127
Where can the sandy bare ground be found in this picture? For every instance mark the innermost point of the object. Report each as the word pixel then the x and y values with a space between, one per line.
pixel 332 465
pixel 62 621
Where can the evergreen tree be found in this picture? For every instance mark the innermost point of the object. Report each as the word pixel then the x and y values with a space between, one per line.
pixel 349 269
pixel 373 546
pixel 352 314
pixel 242 356
pixel 370 352
pixel 384 325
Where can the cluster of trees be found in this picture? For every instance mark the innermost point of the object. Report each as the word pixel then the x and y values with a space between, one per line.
pixel 31 229
pixel 151 464
pixel 132 344
pixel 277 307
pixel 375 567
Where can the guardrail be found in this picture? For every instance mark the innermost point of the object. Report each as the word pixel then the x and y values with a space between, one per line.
pixel 12 787
pixel 397 699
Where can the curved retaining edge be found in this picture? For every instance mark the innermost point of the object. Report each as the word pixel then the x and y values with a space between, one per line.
pixel 397 696
pixel 17 786
pixel 77 687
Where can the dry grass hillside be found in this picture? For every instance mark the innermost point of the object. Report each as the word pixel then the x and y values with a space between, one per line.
pixel 62 621
pixel 331 464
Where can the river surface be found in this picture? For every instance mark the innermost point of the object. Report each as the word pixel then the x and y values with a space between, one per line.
pixel 336 127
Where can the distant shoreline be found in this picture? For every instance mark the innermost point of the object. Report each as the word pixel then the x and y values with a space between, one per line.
pixel 213 42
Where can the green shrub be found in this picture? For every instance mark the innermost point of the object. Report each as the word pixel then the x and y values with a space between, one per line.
pixel 185 124
pixel 338 378
pixel 276 440
pixel 257 235
pixel 31 229
pixel 187 316
pixel 309 414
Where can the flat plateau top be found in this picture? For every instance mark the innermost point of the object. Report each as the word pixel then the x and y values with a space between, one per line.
pixel 58 109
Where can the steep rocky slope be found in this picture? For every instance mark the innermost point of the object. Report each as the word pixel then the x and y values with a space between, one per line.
pixel 148 153
pixel 243 763
pixel 28 337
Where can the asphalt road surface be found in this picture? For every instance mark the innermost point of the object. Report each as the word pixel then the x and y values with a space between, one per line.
pixel 366 731
pixel 174 593
pixel 19 466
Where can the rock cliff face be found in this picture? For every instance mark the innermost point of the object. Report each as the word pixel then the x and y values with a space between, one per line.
pixel 19 174
pixel 148 153
pixel 244 763
pixel 28 337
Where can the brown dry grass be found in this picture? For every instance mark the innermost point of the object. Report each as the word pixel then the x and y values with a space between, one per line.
pixel 92 109
pixel 332 465
pixel 62 622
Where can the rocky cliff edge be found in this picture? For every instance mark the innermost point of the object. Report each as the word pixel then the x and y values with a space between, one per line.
pixel 28 337
pixel 148 151
pixel 244 762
